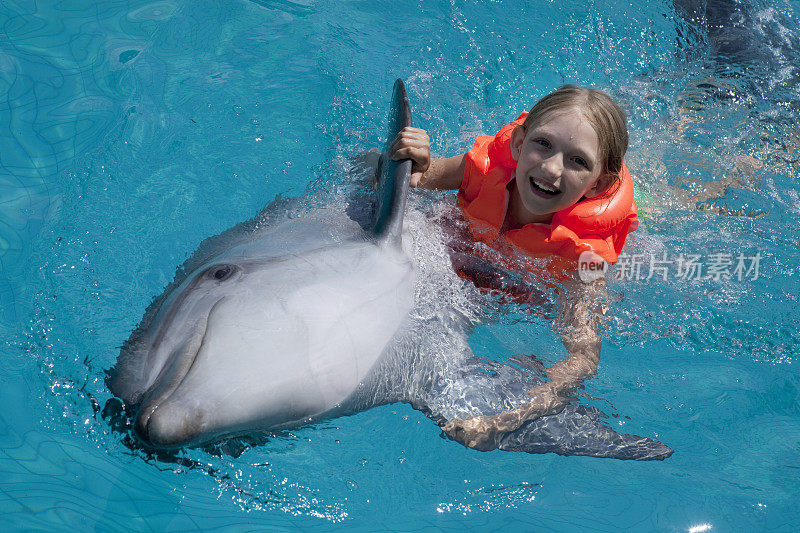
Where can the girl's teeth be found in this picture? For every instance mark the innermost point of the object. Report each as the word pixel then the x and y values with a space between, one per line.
pixel 543 187
pixel 549 190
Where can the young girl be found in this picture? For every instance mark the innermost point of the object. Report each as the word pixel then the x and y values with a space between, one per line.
pixel 551 183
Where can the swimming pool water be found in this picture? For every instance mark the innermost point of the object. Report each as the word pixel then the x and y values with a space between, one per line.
pixel 130 131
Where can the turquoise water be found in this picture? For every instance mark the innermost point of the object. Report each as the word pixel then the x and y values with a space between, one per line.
pixel 130 131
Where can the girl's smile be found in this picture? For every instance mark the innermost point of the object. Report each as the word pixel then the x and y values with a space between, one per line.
pixel 558 164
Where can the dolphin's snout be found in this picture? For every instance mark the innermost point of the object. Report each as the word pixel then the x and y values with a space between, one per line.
pixel 160 427
pixel 140 426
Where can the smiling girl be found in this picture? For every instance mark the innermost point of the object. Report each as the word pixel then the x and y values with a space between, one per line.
pixel 552 184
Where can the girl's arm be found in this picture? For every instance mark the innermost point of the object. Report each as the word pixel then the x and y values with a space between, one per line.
pixel 439 174
pixel 579 312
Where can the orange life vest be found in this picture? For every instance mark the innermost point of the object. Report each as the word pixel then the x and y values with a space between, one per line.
pixel 599 224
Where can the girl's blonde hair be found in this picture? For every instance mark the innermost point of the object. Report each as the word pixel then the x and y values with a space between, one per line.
pixel 605 116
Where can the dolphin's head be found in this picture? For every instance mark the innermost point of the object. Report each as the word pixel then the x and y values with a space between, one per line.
pixel 254 342
pixel 173 343
pixel 282 325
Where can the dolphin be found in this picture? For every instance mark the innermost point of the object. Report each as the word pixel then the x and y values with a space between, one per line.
pixel 292 318
pixel 754 46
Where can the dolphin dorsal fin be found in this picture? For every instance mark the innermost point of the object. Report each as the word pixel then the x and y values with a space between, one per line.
pixel 393 176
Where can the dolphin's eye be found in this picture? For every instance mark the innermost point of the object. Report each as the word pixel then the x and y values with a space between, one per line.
pixel 221 272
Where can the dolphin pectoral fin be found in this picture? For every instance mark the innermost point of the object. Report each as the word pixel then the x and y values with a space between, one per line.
pixel 579 430
pixel 485 387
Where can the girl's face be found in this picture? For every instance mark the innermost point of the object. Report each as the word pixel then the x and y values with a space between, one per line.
pixel 558 163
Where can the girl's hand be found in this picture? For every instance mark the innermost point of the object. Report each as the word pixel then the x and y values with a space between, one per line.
pixel 413 144
pixel 485 432
pixel 480 433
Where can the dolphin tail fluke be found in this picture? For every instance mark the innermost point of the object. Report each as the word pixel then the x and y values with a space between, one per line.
pixel 579 430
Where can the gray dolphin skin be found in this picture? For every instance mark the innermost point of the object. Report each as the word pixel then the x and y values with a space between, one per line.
pixel 283 321
pixel 747 42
